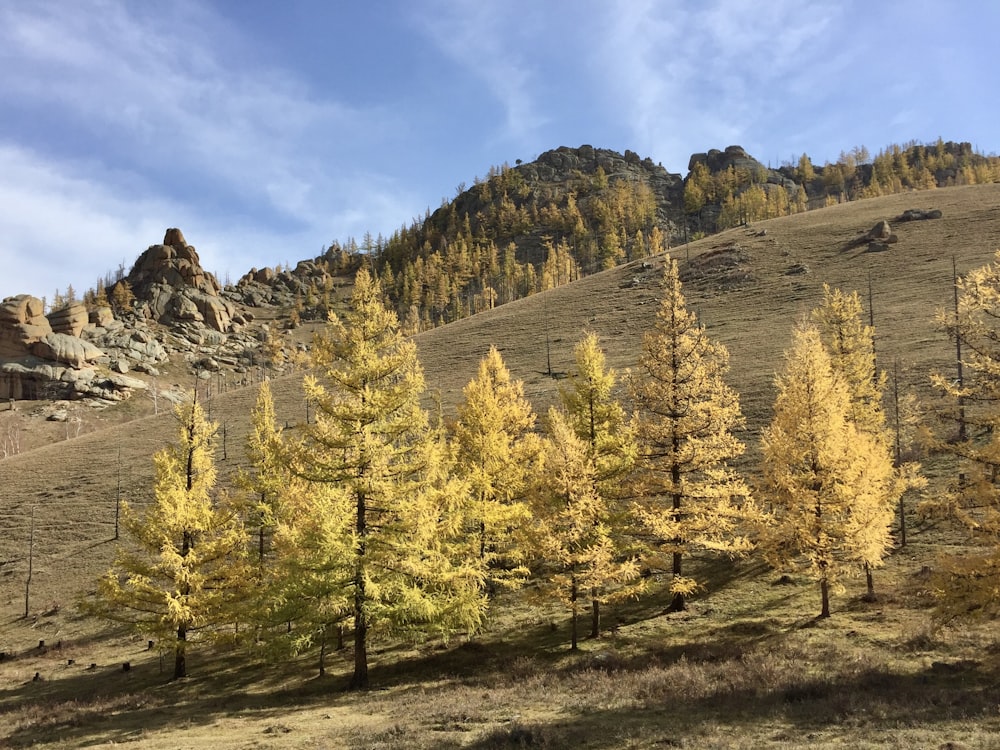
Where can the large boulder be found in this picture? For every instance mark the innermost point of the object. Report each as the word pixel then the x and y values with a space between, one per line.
pixel 881 231
pixel 217 312
pixel 66 350
pixel 22 323
pixel 101 317
pixel 70 320
pixel 22 309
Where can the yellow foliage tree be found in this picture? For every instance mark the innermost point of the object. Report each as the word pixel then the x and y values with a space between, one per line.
pixel 851 346
pixel 179 574
pixel 966 584
pixel 826 480
pixel 598 419
pixel 689 496
pixel 577 537
pixel 497 454
pixel 388 509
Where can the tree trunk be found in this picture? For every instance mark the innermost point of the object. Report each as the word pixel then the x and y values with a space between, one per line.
pixel 595 616
pixel 824 587
pixel 359 680
pixel 180 657
pixel 322 653
pixel 573 604
pixel 902 523
pixel 677 604
pixel 870 581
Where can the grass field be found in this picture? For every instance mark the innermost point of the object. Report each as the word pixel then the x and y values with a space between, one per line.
pixel 747 666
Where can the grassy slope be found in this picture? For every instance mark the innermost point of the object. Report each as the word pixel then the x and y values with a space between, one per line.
pixel 757 670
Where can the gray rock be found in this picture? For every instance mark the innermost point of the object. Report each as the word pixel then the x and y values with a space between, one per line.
pixel 65 349
pixel 881 231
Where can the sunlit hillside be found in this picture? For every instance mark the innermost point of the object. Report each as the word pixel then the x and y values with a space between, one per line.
pixel 749 285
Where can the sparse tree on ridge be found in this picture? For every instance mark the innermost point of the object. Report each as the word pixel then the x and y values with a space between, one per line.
pixel 824 478
pixel 689 496
pixel 177 575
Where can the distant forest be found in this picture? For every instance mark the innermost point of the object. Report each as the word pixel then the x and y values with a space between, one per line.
pixel 506 238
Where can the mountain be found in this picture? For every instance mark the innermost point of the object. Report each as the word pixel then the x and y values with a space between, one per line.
pixel 749 285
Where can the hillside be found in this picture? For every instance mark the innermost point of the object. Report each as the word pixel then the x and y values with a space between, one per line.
pixel 748 284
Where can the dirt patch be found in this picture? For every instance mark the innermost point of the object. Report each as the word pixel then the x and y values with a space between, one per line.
pixel 722 268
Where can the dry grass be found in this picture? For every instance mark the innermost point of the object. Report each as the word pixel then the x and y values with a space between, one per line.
pixel 747 667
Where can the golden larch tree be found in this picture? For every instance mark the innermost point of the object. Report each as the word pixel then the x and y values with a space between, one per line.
pixel 965 585
pixel 824 478
pixel 177 575
pixel 689 496
pixel 599 420
pixel 497 453
pixel 371 443
pixel 851 346
pixel 578 545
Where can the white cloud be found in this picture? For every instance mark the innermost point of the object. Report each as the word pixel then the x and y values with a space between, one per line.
pixel 182 127
pixel 485 39
pixel 63 224
pixel 59 229
pixel 691 78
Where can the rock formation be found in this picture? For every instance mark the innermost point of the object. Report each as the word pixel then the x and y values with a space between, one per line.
pixel 879 237
pixel 22 323
pixel 44 357
pixel 170 286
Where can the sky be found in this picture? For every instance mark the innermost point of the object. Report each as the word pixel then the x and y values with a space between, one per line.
pixel 266 130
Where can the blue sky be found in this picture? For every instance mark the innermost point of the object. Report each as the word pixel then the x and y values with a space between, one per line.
pixel 265 129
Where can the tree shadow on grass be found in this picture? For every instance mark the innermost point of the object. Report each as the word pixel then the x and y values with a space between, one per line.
pixel 863 704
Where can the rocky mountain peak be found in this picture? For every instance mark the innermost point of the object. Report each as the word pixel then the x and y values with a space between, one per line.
pixel 174 264
pixel 171 286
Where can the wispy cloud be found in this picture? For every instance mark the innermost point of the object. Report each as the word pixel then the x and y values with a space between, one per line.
pixel 171 107
pixel 61 229
pixel 695 77
pixel 486 39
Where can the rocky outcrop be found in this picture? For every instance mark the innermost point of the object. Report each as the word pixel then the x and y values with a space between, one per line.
pixel 917 214
pixel 66 350
pixel 22 323
pixel 34 378
pixel 70 320
pixel 171 286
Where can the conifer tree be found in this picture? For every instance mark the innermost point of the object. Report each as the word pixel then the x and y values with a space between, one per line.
pixel 851 346
pixel 270 492
pixel 386 503
pixel 497 454
pixel 690 498
pixel 177 576
pixel 577 538
pixel 826 480
pixel 269 475
pixel 598 419
pixel 966 585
